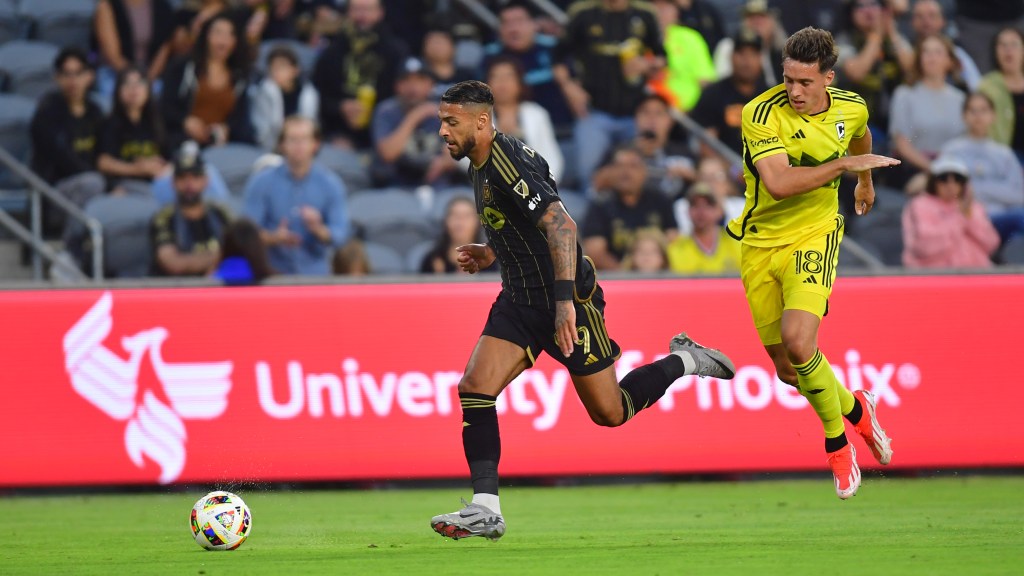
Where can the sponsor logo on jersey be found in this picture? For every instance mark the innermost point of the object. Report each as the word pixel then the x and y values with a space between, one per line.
pixel 764 142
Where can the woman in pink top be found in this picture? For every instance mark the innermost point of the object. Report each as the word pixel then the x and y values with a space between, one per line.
pixel 946 227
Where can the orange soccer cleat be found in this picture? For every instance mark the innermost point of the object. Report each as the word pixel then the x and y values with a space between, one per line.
pixel 870 430
pixel 843 463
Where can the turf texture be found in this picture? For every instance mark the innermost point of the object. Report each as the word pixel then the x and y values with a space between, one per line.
pixel 951 525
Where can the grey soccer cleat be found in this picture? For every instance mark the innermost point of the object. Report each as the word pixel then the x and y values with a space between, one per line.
pixel 709 361
pixel 472 520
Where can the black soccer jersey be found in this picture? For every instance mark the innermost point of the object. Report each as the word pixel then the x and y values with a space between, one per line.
pixel 513 187
pixel 598 40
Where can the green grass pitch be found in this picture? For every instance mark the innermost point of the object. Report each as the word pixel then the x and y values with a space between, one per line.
pixel 952 525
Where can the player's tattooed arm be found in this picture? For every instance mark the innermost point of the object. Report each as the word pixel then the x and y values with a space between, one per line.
pixel 560 230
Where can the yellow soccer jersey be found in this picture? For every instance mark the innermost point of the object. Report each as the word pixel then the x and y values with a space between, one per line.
pixel 771 126
pixel 685 256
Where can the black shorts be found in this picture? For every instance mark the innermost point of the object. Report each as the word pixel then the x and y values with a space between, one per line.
pixel 533 329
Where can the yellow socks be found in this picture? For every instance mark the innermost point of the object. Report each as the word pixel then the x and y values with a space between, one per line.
pixel 828 398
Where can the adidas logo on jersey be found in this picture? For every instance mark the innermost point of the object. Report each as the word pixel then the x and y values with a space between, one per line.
pixel 810 280
pixel 590 360
pixel 799 134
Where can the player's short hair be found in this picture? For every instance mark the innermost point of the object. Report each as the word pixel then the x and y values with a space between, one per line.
pixel 469 92
pixel 812 45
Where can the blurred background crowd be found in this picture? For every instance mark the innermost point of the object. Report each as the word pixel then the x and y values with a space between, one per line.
pixel 249 138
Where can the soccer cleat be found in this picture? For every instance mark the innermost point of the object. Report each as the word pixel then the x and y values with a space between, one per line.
pixel 709 361
pixel 870 430
pixel 843 463
pixel 472 520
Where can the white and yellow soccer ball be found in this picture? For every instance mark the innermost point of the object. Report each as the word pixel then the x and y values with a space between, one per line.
pixel 220 521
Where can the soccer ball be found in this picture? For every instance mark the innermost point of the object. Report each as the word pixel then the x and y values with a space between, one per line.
pixel 220 521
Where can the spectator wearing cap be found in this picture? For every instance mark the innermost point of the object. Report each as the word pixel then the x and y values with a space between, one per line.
pixel 720 108
pixel 65 130
pixel 299 205
pixel 688 66
pixel 281 94
pixel 216 188
pixel 187 235
pixel 762 21
pixel 708 249
pixel 408 151
pixel 946 227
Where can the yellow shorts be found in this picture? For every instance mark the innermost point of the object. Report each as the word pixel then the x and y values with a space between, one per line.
pixel 795 276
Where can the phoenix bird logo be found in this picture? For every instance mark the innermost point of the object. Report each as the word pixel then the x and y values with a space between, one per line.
pixel 195 391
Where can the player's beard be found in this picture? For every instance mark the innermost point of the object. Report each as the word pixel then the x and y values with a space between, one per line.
pixel 462 150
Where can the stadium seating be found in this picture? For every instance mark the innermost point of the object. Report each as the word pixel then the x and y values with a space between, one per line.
pixel 28 65
pixel 59 22
pixel 15 115
pixel 384 259
pixel 1013 251
pixel 576 205
pixel 414 256
pixel 442 198
pixel 307 55
pixel 346 164
pixel 378 206
pixel 235 162
pixel 10 24
pixel 402 234
pixel 127 249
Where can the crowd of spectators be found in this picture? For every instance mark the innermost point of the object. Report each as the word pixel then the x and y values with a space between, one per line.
pixel 135 119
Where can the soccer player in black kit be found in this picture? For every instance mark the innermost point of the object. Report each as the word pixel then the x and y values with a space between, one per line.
pixel 549 301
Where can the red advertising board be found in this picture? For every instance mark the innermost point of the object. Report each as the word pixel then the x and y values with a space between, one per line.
pixel 359 382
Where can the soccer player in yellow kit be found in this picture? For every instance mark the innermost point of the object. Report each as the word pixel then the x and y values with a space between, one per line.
pixel 798 140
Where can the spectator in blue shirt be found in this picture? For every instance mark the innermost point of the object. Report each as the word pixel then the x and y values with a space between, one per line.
pixel 519 38
pixel 299 206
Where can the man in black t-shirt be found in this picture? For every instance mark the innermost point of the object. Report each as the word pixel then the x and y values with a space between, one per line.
pixel 550 301
pixel 65 130
pixel 187 235
pixel 720 107
pixel 615 45
pixel 612 222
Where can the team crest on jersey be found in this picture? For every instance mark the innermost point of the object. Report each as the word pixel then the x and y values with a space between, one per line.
pixel 841 130
pixel 522 189
pixel 637 28
pixel 486 193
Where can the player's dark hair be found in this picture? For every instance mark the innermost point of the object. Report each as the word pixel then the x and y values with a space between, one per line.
pixel 812 45
pixel 469 92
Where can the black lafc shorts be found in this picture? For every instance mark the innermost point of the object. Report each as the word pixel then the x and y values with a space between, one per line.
pixel 533 329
